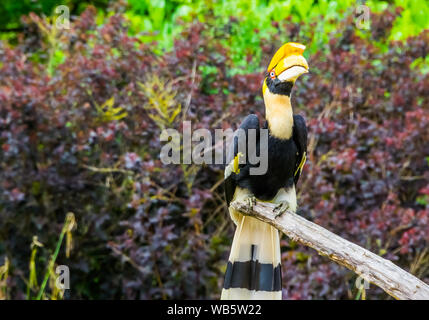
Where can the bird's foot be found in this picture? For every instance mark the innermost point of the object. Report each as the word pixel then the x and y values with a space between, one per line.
pixel 250 201
pixel 281 208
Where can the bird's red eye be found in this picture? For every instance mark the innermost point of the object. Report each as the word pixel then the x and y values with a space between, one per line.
pixel 272 75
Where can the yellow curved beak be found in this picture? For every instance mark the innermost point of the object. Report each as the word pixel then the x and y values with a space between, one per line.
pixel 288 63
pixel 291 67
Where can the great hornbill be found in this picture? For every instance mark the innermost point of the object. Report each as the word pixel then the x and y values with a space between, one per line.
pixel 254 266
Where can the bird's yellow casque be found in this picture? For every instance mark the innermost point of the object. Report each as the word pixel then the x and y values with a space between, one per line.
pixel 289 55
pixel 254 266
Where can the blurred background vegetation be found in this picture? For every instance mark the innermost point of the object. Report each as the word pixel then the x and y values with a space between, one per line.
pixel 157 20
pixel 81 111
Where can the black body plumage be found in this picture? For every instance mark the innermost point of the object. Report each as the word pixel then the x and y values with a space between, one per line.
pixel 284 157
pixel 281 160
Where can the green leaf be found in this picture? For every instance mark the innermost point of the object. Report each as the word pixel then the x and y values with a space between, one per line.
pixel 109 103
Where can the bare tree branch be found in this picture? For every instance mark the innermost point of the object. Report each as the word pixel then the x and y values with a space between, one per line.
pixel 373 268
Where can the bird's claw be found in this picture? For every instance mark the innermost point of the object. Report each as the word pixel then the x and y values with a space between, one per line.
pixel 282 207
pixel 250 201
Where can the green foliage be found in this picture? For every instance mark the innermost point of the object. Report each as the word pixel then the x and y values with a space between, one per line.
pixel 250 23
pixel 12 10
pixel 413 19
pixel 108 113
pixel 156 20
pixel 32 279
pixel 4 275
pixel 49 30
pixel 161 106
pixel 423 200
pixel 68 226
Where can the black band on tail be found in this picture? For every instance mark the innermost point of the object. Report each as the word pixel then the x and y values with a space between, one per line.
pixel 253 275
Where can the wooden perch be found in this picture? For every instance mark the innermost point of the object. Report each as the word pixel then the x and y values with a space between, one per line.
pixel 371 267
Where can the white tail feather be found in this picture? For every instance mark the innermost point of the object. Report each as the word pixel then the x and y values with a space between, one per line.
pixel 255 240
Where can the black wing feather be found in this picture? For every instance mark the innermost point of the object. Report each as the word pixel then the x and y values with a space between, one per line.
pixel 300 139
pixel 250 122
